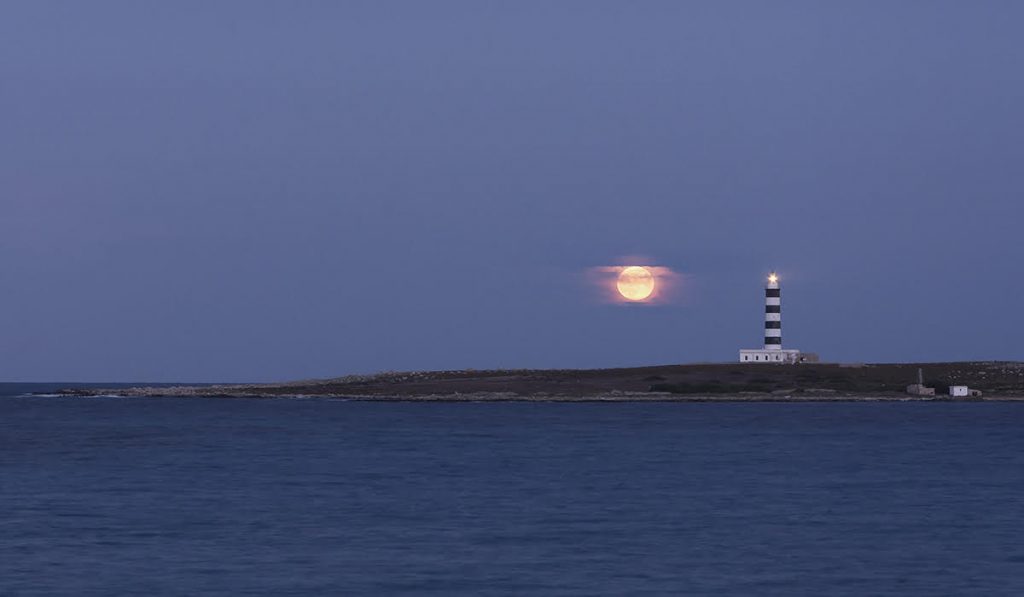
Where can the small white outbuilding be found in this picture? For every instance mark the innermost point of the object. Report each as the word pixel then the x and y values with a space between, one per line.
pixel 959 391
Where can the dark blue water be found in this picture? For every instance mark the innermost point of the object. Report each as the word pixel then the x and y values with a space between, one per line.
pixel 308 497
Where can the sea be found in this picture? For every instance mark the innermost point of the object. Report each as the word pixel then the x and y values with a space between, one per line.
pixel 208 496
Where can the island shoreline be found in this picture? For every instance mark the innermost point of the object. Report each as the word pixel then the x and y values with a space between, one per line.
pixel 998 381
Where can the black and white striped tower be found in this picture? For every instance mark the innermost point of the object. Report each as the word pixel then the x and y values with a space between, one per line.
pixel 772 314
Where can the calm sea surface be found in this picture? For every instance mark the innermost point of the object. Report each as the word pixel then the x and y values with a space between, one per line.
pixel 102 496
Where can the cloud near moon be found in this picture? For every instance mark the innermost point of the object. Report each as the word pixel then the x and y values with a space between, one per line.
pixel 635 283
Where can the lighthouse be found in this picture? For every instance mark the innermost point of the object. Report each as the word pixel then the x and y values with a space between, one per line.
pixel 773 351
pixel 773 314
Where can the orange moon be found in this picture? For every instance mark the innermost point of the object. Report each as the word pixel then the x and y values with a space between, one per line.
pixel 635 283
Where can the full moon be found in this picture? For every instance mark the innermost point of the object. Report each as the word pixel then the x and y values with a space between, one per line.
pixel 635 283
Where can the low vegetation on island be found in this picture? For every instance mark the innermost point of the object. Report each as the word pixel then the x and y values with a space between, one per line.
pixel 696 382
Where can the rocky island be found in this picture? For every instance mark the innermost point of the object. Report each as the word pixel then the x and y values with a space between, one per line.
pixel 726 382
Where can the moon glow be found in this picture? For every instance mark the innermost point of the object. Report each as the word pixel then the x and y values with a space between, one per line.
pixel 635 283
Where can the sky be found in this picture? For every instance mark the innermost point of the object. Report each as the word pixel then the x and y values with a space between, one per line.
pixel 243 190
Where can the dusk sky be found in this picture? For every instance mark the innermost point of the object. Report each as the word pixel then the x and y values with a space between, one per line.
pixel 248 191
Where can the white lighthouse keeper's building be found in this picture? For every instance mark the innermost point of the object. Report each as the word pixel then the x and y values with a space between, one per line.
pixel 773 351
